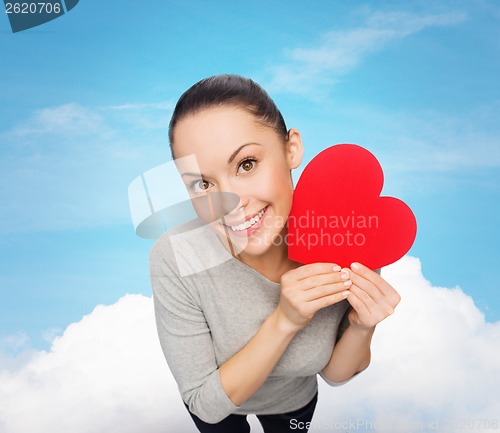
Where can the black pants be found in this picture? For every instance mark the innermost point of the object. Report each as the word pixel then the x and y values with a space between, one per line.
pixel 295 421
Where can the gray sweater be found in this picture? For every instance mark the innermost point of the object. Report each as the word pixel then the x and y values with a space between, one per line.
pixel 208 305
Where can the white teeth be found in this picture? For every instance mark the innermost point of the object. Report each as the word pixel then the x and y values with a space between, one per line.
pixel 249 223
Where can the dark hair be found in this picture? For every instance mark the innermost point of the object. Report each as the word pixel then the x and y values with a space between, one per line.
pixel 223 90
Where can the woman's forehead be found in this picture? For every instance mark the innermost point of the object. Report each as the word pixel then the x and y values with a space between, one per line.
pixel 219 130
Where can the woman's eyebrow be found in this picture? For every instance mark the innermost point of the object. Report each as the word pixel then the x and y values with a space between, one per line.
pixel 233 155
pixel 192 174
pixel 229 161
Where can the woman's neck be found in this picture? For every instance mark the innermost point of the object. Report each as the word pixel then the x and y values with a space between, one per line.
pixel 271 264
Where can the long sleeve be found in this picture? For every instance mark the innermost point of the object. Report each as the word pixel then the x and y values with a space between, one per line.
pixel 187 344
pixel 208 306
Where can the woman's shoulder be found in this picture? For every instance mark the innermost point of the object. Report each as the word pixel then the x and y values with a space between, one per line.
pixel 188 249
pixel 163 250
pixel 164 242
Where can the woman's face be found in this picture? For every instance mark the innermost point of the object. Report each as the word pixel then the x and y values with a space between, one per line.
pixel 235 153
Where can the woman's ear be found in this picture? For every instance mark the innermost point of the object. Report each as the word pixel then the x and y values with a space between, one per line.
pixel 294 148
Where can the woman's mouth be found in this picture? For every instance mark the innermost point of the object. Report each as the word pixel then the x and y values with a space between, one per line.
pixel 248 226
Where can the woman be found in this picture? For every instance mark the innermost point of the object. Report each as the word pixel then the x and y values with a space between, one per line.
pixel 249 332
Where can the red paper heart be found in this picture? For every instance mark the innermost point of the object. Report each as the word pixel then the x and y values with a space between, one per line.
pixel 338 215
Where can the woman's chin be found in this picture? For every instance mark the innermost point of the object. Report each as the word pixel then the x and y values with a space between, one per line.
pixel 234 244
pixel 259 245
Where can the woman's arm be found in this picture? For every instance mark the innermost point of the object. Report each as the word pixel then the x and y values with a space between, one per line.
pixel 350 355
pixel 372 299
pixel 304 291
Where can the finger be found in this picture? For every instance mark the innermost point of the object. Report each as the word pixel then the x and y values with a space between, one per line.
pixel 385 288
pixel 372 276
pixel 364 297
pixel 305 271
pixel 323 279
pixel 367 286
pixel 358 305
pixel 326 290
pixel 326 301
pixel 378 310
pixel 366 272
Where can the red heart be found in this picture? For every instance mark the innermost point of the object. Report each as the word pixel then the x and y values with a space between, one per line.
pixel 338 215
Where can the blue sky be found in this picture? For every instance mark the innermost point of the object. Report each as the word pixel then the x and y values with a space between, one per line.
pixel 85 102
pixel 86 99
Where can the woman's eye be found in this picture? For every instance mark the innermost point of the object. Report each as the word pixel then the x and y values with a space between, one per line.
pixel 200 185
pixel 246 165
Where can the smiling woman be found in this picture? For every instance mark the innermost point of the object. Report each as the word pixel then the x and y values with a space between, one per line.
pixel 236 154
pixel 250 333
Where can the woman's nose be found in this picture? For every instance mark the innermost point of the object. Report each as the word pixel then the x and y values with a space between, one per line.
pixel 226 203
pixel 235 210
pixel 233 199
pixel 215 205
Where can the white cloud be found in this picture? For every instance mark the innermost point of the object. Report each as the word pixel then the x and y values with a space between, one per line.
pixel 444 142
pixel 143 115
pixel 14 342
pixel 67 119
pixel 435 360
pixel 142 106
pixel 424 140
pixel 106 373
pixel 309 69
pixel 14 350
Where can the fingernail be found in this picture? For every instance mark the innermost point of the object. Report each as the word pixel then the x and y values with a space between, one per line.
pixel 347 283
pixel 344 275
pixel 354 266
pixel 336 268
pixel 345 294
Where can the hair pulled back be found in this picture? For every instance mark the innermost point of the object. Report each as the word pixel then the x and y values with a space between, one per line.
pixel 228 90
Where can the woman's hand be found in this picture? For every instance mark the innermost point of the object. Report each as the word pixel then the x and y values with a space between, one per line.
pixel 309 288
pixel 372 298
